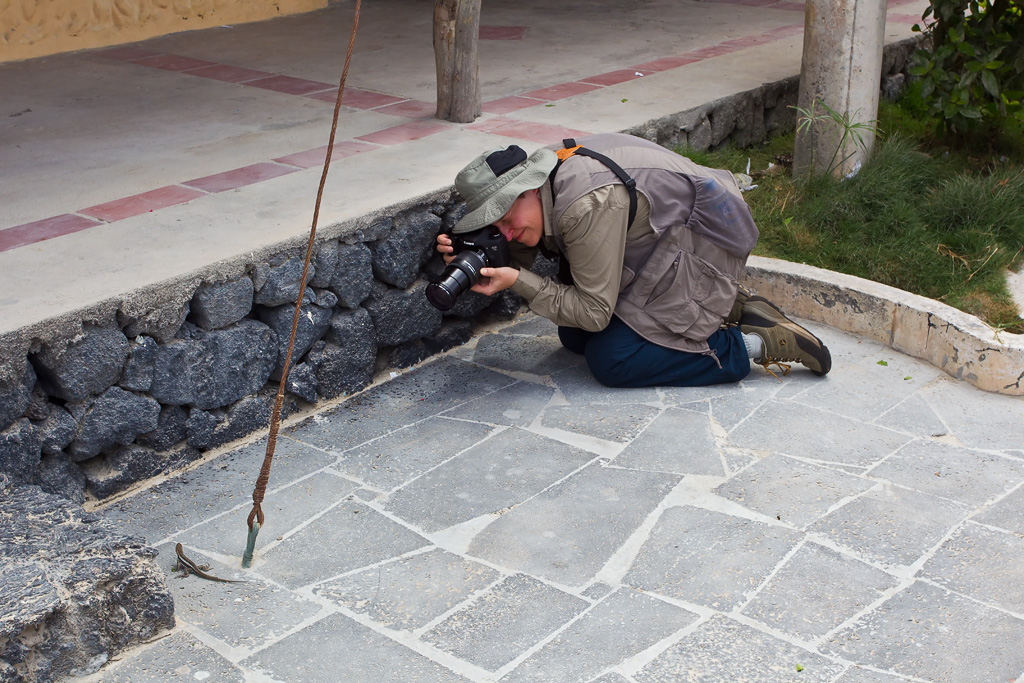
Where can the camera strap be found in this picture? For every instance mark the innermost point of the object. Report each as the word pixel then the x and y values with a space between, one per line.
pixel 570 148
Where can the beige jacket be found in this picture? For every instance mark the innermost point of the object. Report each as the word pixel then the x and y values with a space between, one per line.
pixel 672 275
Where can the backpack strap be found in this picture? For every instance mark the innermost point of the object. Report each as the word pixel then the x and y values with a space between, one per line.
pixel 570 148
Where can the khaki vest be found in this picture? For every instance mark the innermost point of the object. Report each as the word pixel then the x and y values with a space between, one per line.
pixel 679 281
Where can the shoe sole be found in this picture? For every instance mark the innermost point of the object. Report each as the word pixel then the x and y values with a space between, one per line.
pixel 801 341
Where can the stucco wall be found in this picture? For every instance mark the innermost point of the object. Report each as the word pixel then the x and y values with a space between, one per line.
pixel 33 28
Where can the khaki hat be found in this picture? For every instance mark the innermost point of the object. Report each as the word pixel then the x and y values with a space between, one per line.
pixel 491 183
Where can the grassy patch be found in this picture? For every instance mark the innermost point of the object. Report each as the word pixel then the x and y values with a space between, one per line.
pixel 942 222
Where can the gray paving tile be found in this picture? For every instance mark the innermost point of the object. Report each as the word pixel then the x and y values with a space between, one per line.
pixel 980 419
pixel 891 525
pixel 611 677
pixel 737 459
pixel 983 564
pixel 178 657
pixel 500 472
pixel 283 510
pixel 503 623
pixel 816 590
pixel 792 491
pixel 913 416
pixel 532 325
pixel 679 441
pixel 621 626
pixel 1007 514
pixel 864 389
pixel 960 474
pixel 535 355
pixel 394 459
pixel 731 408
pixel 244 615
pixel 419 393
pixel 620 423
pixel 797 429
pixel 411 592
pixel 708 558
pixel 724 651
pixel 211 488
pixel 856 674
pixel 578 386
pixel 597 590
pixel 516 405
pixel 337 648
pixel 928 632
pixel 754 383
pixel 347 537
pixel 569 532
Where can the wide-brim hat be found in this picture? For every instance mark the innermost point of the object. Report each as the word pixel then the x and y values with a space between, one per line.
pixel 492 181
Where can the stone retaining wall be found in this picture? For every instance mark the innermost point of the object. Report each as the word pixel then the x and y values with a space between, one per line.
pixel 128 391
pixel 125 398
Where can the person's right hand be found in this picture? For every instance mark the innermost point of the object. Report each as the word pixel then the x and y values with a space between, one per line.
pixel 445 248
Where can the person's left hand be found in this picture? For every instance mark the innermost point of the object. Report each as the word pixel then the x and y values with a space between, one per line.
pixel 494 280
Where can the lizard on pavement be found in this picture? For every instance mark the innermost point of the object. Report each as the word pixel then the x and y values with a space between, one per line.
pixel 187 566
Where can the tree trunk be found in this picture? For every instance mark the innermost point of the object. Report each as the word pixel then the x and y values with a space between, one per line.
pixel 840 71
pixel 456 34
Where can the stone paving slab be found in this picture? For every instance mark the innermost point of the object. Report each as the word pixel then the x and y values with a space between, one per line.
pixel 723 651
pixel 522 526
pixel 179 656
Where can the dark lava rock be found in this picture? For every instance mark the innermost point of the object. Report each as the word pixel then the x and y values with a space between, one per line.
pixel 214 369
pixel 219 305
pixel 20 451
pixel 353 275
pixel 344 362
pixel 116 417
pixel 73 590
pixel 121 468
pixel 15 395
pixel 86 366
pixel 401 315
pixel 138 373
pixel 57 431
pixel 56 474
pixel 398 257
pixel 313 323
pixel 282 285
pixel 170 429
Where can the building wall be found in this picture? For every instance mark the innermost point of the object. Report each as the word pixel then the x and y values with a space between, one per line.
pixel 34 28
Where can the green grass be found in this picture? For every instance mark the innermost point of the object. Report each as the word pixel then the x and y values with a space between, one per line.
pixel 937 220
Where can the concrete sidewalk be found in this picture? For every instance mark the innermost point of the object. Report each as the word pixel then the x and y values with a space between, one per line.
pixel 495 514
pixel 127 170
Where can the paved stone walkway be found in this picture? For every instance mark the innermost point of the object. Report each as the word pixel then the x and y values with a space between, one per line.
pixel 496 514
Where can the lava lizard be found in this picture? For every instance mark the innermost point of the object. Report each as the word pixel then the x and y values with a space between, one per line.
pixel 189 567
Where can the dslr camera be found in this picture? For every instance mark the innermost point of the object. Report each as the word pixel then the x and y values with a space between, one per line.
pixel 483 248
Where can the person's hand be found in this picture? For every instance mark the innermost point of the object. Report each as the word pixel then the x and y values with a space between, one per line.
pixel 445 248
pixel 494 280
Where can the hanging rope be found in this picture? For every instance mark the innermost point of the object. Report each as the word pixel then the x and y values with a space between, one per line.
pixel 255 520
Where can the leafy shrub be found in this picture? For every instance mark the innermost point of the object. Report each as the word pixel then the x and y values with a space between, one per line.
pixel 974 73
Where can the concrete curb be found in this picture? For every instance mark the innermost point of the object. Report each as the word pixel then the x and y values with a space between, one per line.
pixel 958 343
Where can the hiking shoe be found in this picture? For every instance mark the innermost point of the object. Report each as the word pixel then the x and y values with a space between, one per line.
pixel 733 319
pixel 784 341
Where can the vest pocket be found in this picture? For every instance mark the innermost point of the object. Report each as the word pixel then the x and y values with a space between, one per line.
pixel 673 301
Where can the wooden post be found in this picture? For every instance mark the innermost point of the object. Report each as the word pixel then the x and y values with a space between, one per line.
pixel 456 34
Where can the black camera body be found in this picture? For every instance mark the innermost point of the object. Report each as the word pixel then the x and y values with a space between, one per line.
pixel 483 248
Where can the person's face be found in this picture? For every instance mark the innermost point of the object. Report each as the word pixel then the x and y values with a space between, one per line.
pixel 524 222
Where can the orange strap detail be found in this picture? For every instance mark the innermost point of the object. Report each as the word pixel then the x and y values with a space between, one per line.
pixel 564 154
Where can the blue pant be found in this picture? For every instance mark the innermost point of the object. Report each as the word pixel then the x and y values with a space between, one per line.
pixel 619 357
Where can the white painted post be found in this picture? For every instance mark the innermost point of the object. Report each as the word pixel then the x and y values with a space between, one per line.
pixel 841 69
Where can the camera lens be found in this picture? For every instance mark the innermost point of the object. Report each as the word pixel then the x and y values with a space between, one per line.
pixel 461 274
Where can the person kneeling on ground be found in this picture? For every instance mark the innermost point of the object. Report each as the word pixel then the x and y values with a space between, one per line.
pixel 651 246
